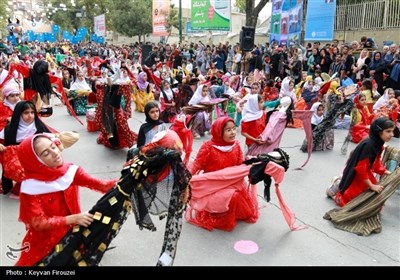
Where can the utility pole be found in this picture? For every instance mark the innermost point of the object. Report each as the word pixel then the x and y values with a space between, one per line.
pixel 180 21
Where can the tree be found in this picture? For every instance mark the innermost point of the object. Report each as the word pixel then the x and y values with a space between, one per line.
pixel 3 18
pixel 252 11
pixel 241 5
pixel 172 19
pixel 132 18
pixel 88 9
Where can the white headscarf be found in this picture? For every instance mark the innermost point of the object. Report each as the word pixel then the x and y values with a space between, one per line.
pixel 25 130
pixel 382 101
pixel 251 110
pixel 285 90
pixel 80 85
pixel 197 97
pixel 285 103
pixel 168 92
pixel 315 119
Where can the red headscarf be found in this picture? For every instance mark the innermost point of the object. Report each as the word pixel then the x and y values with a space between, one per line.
pixel 167 139
pixel 33 167
pixel 357 102
pixel 217 132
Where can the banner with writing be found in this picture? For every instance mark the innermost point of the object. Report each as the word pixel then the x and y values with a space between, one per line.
pixel 211 15
pixel 160 14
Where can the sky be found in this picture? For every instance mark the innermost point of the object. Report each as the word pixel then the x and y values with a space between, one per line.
pixel 266 12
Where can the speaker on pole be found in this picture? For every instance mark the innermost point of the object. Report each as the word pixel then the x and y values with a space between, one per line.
pixel 146 51
pixel 247 38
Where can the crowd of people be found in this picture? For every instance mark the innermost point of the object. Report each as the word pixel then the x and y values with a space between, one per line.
pixel 200 89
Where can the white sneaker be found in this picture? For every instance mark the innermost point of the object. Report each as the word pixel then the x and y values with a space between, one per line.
pixel 334 188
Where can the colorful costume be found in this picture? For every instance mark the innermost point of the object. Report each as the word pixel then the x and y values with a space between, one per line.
pixel 361 119
pixel 361 165
pixel 152 182
pixel 47 196
pixel 114 129
pixel 217 204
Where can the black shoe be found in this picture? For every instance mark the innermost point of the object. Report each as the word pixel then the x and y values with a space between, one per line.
pixel 46 111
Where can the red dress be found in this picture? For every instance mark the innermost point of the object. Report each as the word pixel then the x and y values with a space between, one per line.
pixel 361 118
pixel 358 185
pixel 45 216
pixel 5 113
pixel 126 137
pixel 254 128
pixel 243 203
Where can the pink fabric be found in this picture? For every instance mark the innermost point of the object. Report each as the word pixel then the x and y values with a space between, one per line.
pixel 305 117
pixel 277 172
pixel 246 247
pixel 212 191
pixel 272 134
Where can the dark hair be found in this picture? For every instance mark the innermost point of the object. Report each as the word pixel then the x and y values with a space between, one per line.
pixel 10 131
pixel 385 124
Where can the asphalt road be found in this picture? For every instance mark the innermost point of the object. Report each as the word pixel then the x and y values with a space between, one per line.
pixel 320 244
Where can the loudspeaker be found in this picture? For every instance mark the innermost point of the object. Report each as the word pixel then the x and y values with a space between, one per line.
pixel 247 38
pixel 146 51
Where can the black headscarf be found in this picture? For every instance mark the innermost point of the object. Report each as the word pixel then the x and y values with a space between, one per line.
pixel 39 79
pixel 148 125
pixel 368 148
pixel 10 131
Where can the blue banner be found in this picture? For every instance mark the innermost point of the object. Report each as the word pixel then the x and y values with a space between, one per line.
pixel 320 20
pixel 286 21
pixel 82 31
pixel 67 36
pixel 100 40
pixel 189 27
pixel 56 28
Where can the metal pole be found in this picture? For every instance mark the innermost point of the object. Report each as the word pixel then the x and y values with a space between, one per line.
pixel 345 22
pixel 180 21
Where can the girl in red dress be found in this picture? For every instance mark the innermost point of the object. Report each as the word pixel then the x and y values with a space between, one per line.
pixel 254 120
pixel 222 206
pixel 361 119
pixel 24 123
pixel 12 95
pixel 49 199
pixel 364 161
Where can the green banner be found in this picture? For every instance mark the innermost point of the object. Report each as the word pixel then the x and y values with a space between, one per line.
pixel 211 15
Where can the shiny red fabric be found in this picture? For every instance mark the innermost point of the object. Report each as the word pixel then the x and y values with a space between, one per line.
pixel 5 113
pixel 45 216
pixel 358 185
pixel 186 137
pixel 241 201
pixel 254 128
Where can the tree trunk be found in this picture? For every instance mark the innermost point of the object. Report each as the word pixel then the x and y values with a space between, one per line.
pixel 252 13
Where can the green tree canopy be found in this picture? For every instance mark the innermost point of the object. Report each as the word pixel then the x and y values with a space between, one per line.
pixel 3 17
pixel 173 18
pixel 132 18
pixel 87 9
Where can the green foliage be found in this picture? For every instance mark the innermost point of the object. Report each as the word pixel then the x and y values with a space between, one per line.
pixel 3 20
pixel 67 20
pixel 173 18
pixel 241 5
pixel 131 18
